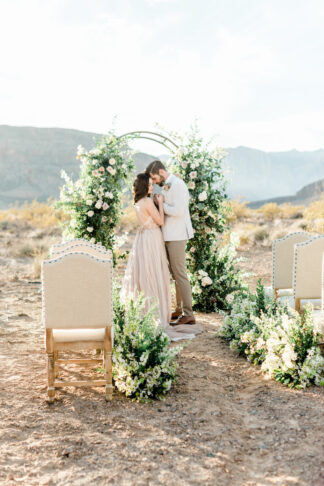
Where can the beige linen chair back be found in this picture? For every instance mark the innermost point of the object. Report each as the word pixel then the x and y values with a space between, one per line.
pixel 307 272
pixel 74 244
pixel 77 292
pixel 283 259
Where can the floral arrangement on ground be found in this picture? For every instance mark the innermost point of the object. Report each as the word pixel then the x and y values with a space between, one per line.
pixel 283 342
pixel 144 365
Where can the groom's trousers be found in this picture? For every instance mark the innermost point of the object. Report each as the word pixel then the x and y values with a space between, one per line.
pixel 176 251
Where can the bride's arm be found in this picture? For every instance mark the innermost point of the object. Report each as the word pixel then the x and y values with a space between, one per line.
pixel 157 214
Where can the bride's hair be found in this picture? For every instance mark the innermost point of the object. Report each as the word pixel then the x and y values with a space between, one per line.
pixel 141 186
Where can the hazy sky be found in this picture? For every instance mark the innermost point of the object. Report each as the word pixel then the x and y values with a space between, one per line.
pixel 251 71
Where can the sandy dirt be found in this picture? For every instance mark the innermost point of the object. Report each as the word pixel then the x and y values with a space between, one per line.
pixel 224 423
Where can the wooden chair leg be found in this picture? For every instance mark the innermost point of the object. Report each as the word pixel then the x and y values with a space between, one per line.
pixel 56 366
pixel 50 376
pixel 108 375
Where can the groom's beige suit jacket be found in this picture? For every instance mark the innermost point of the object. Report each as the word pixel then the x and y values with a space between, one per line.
pixel 177 222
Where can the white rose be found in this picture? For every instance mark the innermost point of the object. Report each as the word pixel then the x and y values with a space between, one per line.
pixel 90 229
pixel 110 195
pixel 93 240
pixel 98 204
pixel 193 175
pixel 111 170
pixel 89 202
pixel 105 206
pixel 202 196
pixel 206 281
pixel 90 214
pixel 124 166
pixel 94 161
pixel 112 161
pixel 184 165
pixel 95 152
pixel 192 185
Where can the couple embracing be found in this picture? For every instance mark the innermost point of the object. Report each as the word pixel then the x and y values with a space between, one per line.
pixel 160 244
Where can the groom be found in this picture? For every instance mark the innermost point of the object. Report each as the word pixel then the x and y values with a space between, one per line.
pixel 177 230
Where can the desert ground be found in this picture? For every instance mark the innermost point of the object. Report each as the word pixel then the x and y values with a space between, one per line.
pixel 223 423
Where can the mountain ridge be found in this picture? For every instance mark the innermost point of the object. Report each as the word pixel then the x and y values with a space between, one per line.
pixel 31 159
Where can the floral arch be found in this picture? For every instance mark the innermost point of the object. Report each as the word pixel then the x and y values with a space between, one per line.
pixel 94 204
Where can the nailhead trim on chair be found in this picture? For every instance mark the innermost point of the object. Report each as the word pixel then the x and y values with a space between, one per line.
pixel 81 242
pixel 97 248
pixel 68 255
pixel 77 240
pixel 274 244
pixel 297 245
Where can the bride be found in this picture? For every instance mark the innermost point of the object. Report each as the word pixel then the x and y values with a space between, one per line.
pixel 147 268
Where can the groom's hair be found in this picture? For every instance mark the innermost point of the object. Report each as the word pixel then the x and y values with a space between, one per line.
pixel 154 167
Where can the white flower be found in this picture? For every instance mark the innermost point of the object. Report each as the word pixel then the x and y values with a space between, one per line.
pixel 193 174
pixel 98 204
pixel 206 281
pixel 88 202
pixel 94 161
pixel 95 173
pixel 111 170
pixel 93 240
pixel 95 152
pixel 112 161
pixel 105 206
pixel 202 196
pixel 110 195
pixel 90 229
pixel 191 185
pixel 184 164
pixel 90 214
pixel 202 273
pixel 124 166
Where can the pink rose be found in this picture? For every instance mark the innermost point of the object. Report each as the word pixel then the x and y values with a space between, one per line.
pixel 105 206
pixel 102 169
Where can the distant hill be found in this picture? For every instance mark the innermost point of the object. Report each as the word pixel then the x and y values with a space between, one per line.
pixel 31 160
pixel 306 195
pixel 258 175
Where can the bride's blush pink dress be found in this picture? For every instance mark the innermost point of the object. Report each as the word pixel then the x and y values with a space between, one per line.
pixel 147 271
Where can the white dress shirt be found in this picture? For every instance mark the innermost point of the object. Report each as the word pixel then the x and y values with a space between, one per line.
pixel 177 222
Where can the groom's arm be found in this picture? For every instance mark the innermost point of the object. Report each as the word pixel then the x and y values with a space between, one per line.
pixel 179 202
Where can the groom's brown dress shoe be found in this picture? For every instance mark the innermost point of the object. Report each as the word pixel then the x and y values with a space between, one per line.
pixel 184 320
pixel 176 314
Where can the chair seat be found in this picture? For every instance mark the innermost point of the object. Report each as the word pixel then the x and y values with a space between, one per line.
pixel 285 292
pixel 316 303
pixel 318 318
pixel 73 335
pixel 287 299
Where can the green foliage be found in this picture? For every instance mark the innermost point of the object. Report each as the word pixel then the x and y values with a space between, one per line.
pixel 144 366
pixel 277 337
pixel 212 267
pixel 94 200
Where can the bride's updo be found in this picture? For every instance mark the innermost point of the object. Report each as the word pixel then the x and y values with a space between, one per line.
pixel 141 186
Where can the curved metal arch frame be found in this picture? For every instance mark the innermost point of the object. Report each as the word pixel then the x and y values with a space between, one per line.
pixel 161 139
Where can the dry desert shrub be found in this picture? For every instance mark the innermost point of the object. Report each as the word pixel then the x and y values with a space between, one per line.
pixel 261 235
pixel 314 216
pixel 315 210
pixel 40 215
pixel 270 211
pixel 128 221
pixel 236 210
pixel 288 211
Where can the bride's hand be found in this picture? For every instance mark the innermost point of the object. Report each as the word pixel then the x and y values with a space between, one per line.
pixel 159 198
